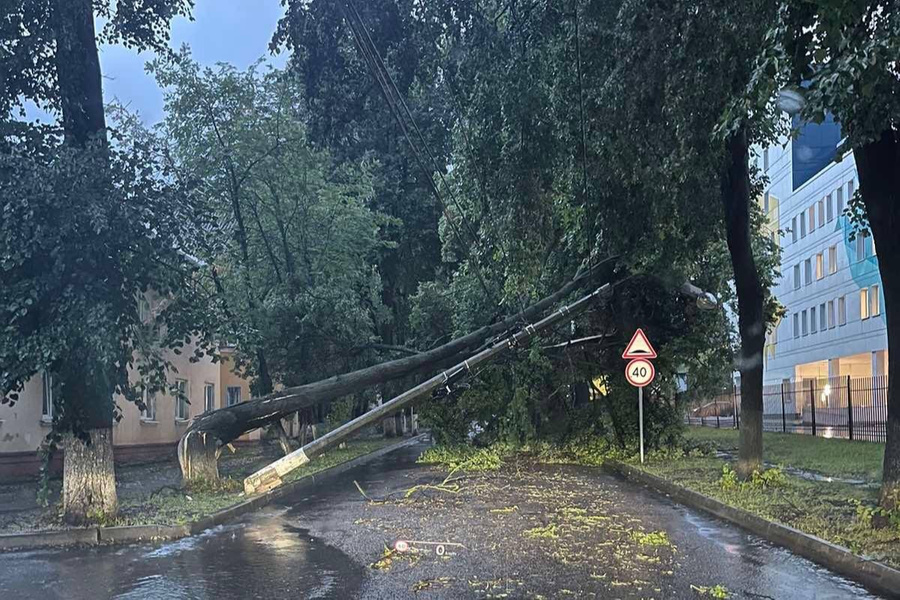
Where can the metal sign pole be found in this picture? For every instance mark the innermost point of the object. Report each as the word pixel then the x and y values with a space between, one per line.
pixel 641 419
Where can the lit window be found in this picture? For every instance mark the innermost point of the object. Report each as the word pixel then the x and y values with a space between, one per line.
pixel 46 396
pixel 209 397
pixel 182 395
pixel 821 212
pixel 797 277
pixel 812 218
pixel 832 260
pixel 813 322
pixel 149 412
pixel 796 325
pixel 803 323
pixel 794 230
pixel 864 303
pixel 831 314
pixel 829 207
pixel 808 270
pixel 874 301
pixel 233 395
pixel 842 311
pixel 823 321
pixel 820 266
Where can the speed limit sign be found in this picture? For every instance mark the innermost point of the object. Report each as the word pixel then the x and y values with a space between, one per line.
pixel 640 372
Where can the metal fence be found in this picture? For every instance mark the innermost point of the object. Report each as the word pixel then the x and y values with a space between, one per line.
pixel 835 407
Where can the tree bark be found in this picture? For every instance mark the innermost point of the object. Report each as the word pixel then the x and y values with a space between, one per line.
pixel 89 479
pixel 750 295
pixel 878 166
pixel 198 458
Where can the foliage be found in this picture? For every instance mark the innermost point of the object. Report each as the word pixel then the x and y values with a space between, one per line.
pixel 769 478
pixel 291 240
pixel 466 458
pixel 85 233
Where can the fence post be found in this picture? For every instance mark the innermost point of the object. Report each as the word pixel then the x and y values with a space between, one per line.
pixel 734 416
pixel 849 409
pixel 718 424
pixel 737 417
pixel 783 417
pixel 812 403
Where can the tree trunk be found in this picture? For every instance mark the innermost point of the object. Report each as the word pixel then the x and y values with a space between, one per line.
pixel 198 457
pixel 226 424
pixel 89 478
pixel 750 295
pixel 283 440
pixel 878 165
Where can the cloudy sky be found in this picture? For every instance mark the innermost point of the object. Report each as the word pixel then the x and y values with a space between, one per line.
pixel 232 31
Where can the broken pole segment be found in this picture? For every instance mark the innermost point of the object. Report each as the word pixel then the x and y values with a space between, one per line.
pixel 271 476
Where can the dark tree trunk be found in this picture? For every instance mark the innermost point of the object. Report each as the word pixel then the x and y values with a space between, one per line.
pixel 878 165
pixel 750 295
pixel 198 457
pixel 89 484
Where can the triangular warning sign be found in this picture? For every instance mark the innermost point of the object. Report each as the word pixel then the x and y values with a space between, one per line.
pixel 639 347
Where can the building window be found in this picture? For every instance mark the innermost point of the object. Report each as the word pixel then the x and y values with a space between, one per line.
pixel 803 323
pixel 797 277
pixel 794 230
pixel 874 301
pixel 829 208
pixel 209 397
pixel 766 203
pixel 796 325
pixel 860 247
pixel 813 323
pixel 832 260
pixel 149 412
pixel 831 314
pixel 812 218
pixel 851 189
pixel 823 321
pixel 802 225
pixel 232 395
pixel 842 311
pixel 46 396
pixel 840 199
pixel 864 303
pixel 182 395
pixel 820 266
pixel 821 212
pixel 766 159
pixel 808 270
pixel 143 309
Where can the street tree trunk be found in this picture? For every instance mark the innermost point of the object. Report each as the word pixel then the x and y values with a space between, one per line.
pixel 750 296
pixel 89 485
pixel 89 478
pixel 198 458
pixel 878 165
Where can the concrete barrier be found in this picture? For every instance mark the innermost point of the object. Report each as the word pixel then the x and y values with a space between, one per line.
pixel 39 539
pixel 874 575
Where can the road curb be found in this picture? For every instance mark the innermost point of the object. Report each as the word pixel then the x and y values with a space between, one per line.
pixel 92 536
pixel 874 575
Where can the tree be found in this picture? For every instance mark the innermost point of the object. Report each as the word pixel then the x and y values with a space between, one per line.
pixel 841 57
pixel 86 229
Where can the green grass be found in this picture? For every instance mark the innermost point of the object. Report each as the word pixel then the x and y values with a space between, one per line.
pixel 183 506
pixel 832 457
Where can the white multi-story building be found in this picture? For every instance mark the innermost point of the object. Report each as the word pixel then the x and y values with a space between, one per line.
pixel 829 284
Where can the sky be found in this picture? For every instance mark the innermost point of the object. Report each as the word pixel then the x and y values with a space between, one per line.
pixel 232 31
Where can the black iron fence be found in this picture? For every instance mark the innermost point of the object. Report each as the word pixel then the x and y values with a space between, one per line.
pixel 839 407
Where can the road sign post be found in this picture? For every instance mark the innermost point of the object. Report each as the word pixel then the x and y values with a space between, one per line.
pixel 640 373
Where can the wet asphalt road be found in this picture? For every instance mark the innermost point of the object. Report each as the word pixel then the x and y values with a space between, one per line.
pixel 312 546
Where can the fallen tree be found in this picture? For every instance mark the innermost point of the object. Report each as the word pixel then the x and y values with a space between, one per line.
pixel 271 476
pixel 199 447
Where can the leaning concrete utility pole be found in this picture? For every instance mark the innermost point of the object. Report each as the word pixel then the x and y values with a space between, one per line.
pixel 271 476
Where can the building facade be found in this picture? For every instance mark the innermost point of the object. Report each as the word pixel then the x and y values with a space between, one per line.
pixel 139 435
pixel 834 325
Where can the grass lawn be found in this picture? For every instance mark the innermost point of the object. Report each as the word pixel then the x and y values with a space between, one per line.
pixel 833 457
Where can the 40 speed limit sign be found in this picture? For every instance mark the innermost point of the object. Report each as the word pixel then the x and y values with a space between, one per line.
pixel 640 372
